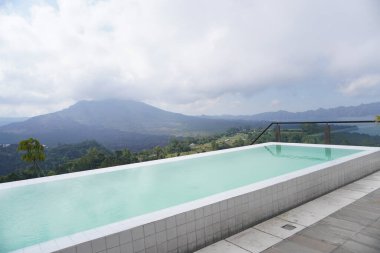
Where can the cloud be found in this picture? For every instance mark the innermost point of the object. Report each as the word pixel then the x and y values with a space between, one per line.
pixel 363 84
pixel 275 103
pixel 179 53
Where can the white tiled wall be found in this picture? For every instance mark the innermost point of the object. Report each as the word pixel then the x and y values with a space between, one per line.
pixel 192 230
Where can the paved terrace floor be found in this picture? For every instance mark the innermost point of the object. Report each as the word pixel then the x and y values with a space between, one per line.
pixel 345 220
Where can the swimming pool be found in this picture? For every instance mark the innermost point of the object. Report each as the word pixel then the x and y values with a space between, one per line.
pixel 37 211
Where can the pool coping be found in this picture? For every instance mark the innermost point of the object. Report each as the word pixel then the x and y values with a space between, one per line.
pixel 166 160
pixel 92 234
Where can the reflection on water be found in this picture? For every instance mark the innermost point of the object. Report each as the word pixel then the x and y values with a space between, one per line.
pixel 278 149
pixel 328 153
pixel 288 152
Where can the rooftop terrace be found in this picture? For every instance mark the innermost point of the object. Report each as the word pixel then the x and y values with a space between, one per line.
pixel 345 220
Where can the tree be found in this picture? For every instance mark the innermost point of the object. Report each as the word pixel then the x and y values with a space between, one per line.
pixel 238 142
pixel 93 159
pixel 214 145
pixel 128 157
pixel 159 152
pixel 33 153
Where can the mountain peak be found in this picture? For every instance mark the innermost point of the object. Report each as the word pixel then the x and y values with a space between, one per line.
pixel 110 121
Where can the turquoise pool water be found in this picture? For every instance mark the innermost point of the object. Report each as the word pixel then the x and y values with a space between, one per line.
pixel 36 213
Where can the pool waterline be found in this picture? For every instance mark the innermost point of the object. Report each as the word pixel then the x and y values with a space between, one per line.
pixel 162 201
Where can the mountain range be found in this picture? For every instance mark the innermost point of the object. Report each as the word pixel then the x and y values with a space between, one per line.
pixel 136 125
pixel 360 112
pixel 114 123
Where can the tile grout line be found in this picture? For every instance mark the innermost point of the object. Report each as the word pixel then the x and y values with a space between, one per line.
pixel 269 233
pixel 237 245
pixel 294 223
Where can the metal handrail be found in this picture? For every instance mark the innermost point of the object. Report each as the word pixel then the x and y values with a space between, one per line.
pixel 310 122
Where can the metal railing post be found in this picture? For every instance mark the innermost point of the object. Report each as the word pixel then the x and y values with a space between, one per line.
pixel 278 133
pixel 327 134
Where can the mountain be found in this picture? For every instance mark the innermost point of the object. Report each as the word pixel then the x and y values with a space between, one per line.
pixel 8 120
pixel 113 123
pixel 360 112
pixel 118 124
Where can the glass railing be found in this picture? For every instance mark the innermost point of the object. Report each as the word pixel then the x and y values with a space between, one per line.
pixel 358 133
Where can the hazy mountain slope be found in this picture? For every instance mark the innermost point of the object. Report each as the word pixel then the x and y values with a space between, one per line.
pixel 368 111
pixel 114 123
pixel 363 111
pixel 136 125
pixel 8 120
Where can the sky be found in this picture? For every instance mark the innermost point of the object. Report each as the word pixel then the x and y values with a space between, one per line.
pixel 193 57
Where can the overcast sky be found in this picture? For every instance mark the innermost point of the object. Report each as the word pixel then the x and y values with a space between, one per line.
pixel 189 56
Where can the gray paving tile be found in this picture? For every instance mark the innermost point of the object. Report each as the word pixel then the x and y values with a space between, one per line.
pixel 371 231
pixel 371 241
pixel 355 247
pixel 362 187
pixel 333 201
pixel 347 194
pixel 376 224
pixel 375 194
pixel 253 240
pixel 368 204
pixel 327 233
pixel 273 250
pixel 373 177
pixel 351 214
pixel 341 223
pixel 222 246
pixel 372 213
pixel 320 246
pixel 302 217
pixel 372 183
pixel 342 250
pixel 325 205
pixel 275 226
pixel 289 246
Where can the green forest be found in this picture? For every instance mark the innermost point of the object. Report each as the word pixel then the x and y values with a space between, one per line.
pixel 66 158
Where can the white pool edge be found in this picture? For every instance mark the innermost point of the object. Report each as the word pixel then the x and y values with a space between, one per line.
pixel 88 235
pixel 166 160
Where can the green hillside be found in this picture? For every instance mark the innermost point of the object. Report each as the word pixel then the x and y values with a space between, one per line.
pixel 91 155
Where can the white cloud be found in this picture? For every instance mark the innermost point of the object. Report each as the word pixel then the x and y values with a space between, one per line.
pixel 361 85
pixel 275 103
pixel 183 53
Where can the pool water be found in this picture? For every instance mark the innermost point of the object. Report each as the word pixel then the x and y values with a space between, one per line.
pixel 40 212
